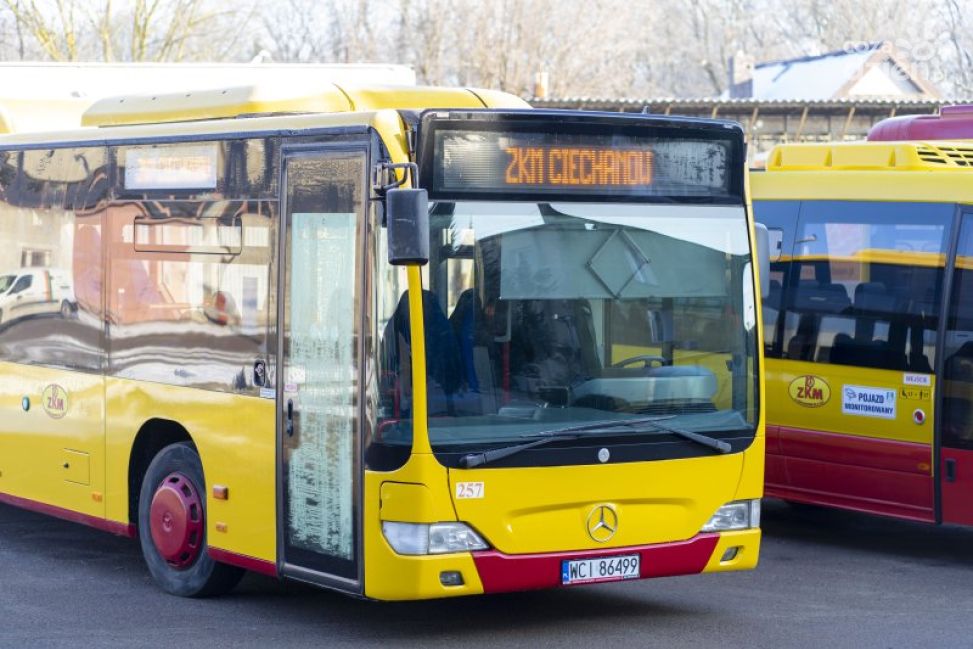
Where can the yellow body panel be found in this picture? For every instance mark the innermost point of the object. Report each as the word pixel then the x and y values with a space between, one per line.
pixel 43 452
pixel 236 440
pixel 271 100
pixel 391 576
pixel 747 544
pixel 787 409
pixel 545 509
pixel 878 156
pixel 864 171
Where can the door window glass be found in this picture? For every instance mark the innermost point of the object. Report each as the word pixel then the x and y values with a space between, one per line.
pixel 321 360
pixel 957 417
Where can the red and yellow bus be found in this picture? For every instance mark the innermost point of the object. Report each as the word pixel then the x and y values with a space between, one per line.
pixel 400 342
pixel 869 328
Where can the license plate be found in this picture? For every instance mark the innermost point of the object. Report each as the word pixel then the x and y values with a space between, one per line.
pixel 587 571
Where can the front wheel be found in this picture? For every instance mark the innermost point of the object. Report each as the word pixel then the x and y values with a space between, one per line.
pixel 172 526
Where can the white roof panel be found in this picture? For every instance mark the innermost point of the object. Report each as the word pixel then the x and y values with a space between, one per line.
pixel 808 78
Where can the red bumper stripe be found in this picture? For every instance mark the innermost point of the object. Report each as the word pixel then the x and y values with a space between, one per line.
pixel 512 572
pixel 243 561
pixel 121 529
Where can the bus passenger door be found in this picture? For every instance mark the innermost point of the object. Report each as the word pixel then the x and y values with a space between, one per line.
pixel 319 406
pixel 956 394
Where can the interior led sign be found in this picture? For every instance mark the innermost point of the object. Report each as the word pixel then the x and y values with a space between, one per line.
pixel 171 167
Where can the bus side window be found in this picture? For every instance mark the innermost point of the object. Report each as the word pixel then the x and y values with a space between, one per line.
pixel 51 215
pixel 865 284
pixel 179 281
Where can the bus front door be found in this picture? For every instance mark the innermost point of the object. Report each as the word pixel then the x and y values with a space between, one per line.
pixel 956 393
pixel 319 420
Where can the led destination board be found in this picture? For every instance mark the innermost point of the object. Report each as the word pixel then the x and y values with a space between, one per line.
pixel 574 166
pixel 551 165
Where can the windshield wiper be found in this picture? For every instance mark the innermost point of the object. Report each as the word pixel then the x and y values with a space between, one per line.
pixel 471 460
pixel 704 440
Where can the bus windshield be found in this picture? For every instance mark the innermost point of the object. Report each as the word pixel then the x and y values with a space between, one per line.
pixel 6 281
pixel 542 315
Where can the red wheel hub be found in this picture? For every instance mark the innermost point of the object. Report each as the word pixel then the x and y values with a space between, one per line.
pixel 176 521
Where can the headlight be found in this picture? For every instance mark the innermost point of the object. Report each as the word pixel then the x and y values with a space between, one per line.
pixel 739 515
pixel 435 538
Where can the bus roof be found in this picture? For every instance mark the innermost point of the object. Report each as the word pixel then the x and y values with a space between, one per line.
pixel 861 171
pixel 245 101
pixel 952 123
pixel 219 110
pixel 872 156
pixel 38 96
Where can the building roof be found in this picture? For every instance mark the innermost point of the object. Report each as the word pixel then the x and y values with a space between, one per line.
pixel 871 70
pixel 678 105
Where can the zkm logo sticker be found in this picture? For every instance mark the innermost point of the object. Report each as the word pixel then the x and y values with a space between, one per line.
pixel 55 401
pixel 810 391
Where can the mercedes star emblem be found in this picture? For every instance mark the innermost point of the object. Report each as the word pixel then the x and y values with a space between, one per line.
pixel 602 523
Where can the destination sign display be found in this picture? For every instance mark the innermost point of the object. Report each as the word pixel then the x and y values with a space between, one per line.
pixel 552 165
pixel 578 167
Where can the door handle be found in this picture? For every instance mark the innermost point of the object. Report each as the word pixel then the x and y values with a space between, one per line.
pixel 289 424
pixel 950 469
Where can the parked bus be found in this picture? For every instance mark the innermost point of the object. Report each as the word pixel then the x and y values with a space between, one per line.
pixel 951 123
pixel 400 342
pixel 869 327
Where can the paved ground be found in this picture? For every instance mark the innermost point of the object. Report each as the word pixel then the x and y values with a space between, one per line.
pixel 826 579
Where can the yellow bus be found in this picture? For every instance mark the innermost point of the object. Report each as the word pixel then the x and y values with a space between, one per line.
pixel 399 342
pixel 868 327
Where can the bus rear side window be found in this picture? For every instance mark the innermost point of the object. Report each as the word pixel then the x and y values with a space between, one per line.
pixel 864 287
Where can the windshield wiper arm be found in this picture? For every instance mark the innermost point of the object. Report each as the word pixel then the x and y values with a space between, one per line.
pixel 704 440
pixel 471 460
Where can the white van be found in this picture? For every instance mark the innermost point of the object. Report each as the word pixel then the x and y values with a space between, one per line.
pixel 36 291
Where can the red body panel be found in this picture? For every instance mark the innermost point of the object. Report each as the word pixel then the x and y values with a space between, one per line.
pixel 958 493
pixel 953 123
pixel 121 529
pixel 243 561
pixel 505 572
pixel 866 474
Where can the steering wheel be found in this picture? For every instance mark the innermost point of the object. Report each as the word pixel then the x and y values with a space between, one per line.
pixel 647 359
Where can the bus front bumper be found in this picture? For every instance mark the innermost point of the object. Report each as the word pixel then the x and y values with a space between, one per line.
pixel 705 552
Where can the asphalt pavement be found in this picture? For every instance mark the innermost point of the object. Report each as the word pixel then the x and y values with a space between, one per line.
pixel 826 579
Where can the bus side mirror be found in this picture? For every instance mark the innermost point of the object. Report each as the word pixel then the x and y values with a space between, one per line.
pixel 763 258
pixel 407 219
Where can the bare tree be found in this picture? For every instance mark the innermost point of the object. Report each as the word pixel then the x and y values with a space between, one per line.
pixel 138 30
pixel 588 47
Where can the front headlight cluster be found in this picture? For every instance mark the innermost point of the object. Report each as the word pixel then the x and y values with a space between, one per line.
pixel 738 515
pixel 434 538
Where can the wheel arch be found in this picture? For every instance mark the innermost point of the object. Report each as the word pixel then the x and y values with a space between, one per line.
pixel 154 435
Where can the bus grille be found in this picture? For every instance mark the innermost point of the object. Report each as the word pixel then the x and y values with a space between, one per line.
pixel 952 156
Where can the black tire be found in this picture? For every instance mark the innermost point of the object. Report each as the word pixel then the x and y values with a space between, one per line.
pixel 204 577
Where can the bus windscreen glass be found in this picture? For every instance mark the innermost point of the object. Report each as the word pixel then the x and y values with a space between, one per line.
pixel 557 163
